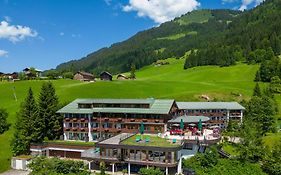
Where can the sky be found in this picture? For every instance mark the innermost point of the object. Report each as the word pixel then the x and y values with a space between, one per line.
pixel 45 33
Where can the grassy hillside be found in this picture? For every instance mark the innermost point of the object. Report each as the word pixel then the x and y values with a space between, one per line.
pixel 168 81
pixel 198 16
pixel 190 31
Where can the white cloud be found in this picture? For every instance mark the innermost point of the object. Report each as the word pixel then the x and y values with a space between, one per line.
pixel 15 33
pixel 244 3
pixel 161 10
pixel 108 2
pixel 7 18
pixel 3 53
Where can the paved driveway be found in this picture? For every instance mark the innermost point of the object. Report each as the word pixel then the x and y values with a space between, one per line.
pixel 15 172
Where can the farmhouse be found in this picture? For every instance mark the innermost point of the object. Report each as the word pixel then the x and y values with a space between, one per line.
pixel 135 133
pixel 84 76
pixel 122 77
pixel 27 71
pixel 106 76
pixel 10 76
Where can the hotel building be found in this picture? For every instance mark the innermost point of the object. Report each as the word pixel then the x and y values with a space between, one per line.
pixel 112 125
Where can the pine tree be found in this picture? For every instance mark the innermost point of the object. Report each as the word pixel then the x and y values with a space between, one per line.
pixel 24 133
pixel 258 76
pixel 133 70
pixel 48 105
pixel 257 91
pixel 4 125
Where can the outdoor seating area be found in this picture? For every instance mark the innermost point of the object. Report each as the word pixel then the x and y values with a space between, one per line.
pixel 205 135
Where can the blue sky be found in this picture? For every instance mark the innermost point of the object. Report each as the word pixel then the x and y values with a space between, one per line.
pixel 45 33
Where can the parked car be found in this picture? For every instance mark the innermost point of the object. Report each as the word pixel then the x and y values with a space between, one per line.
pixel 176 132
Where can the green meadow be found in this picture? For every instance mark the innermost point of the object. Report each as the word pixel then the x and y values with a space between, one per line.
pixel 167 81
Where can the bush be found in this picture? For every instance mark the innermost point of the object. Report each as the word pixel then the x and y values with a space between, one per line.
pixel 55 166
pixel 150 171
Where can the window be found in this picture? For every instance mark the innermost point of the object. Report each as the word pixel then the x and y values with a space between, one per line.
pixel 94 125
pixel 118 125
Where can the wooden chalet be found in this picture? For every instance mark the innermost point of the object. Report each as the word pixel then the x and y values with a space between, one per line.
pixel 27 72
pixel 84 76
pixel 106 76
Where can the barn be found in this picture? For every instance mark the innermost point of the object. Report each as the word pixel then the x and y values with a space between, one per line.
pixel 84 76
pixel 122 77
pixel 106 76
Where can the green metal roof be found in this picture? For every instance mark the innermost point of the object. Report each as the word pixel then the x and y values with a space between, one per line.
pixel 189 119
pixel 117 101
pixel 210 105
pixel 156 106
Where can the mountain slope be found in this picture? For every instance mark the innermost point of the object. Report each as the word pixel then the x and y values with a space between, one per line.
pixel 251 37
pixel 171 39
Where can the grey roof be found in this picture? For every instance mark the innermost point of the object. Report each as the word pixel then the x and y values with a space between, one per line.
pixel 85 73
pixel 210 105
pixel 116 139
pixel 189 119
pixel 105 72
pixel 156 106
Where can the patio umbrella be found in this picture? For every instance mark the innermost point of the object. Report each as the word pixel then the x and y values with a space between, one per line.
pixel 142 128
pixel 181 124
pixel 200 125
pixel 213 127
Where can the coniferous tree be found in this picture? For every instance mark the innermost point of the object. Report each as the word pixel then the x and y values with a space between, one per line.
pixel 24 127
pixel 4 125
pixel 133 70
pixel 257 91
pixel 48 105
pixel 258 76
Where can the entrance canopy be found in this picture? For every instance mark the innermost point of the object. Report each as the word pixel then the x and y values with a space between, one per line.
pixel 189 119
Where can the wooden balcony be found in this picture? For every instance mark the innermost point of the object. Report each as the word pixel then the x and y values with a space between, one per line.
pixel 216 121
pixel 66 129
pixel 74 128
pixel 144 120
pixel 85 129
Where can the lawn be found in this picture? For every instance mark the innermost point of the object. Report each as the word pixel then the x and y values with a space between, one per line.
pixel 168 81
pixel 153 141
pixel 230 149
pixel 70 142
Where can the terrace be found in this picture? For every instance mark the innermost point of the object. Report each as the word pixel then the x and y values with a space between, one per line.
pixel 207 136
pixel 150 140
